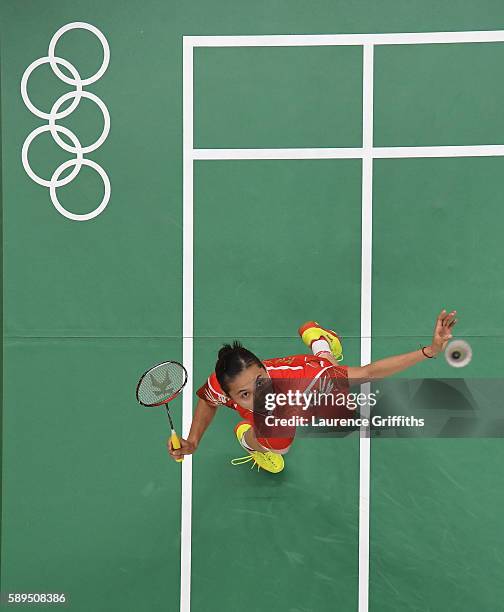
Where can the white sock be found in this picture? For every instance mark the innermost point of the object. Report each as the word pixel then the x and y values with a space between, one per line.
pixel 244 444
pixel 320 346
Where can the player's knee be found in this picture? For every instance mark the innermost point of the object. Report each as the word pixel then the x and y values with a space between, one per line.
pixel 282 451
pixel 280 446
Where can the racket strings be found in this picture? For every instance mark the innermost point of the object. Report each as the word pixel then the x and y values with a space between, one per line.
pixel 161 382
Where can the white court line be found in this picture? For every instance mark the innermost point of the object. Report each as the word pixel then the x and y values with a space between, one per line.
pixel 307 40
pixel 366 277
pixel 351 152
pixel 187 325
pixel 440 151
pixel 329 153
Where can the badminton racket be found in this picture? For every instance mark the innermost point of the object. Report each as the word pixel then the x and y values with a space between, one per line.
pixel 160 385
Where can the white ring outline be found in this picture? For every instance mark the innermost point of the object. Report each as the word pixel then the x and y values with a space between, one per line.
pixel 78 161
pixel 101 106
pixel 54 128
pixel 24 87
pixel 85 26
pixel 87 216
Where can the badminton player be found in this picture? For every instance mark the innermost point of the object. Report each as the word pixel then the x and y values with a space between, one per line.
pixel 239 373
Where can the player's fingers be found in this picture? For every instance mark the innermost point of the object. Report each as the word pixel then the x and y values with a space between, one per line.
pixel 449 318
pixel 446 318
pixel 186 449
pixel 176 454
pixel 441 315
pixel 173 452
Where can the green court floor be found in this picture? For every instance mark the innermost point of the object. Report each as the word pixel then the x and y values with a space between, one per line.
pixel 91 503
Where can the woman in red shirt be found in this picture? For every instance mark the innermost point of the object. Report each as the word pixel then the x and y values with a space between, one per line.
pixel 239 374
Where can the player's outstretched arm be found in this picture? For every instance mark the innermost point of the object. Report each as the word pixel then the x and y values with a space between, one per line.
pixel 203 415
pixel 391 365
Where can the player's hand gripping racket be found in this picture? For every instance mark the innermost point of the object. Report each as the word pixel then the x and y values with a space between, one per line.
pixel 160 385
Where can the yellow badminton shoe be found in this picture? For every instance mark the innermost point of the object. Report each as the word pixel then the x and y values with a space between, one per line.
pixel 271 462
pixel 311 331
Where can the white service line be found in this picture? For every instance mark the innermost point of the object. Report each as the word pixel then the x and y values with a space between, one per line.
pixel 438 151
pixel 366 276
pixel 328 153
pixel 352 152
pixel 307 40
pixel 187 324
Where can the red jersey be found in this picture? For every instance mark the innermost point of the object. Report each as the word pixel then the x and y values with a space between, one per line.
pixel 307 367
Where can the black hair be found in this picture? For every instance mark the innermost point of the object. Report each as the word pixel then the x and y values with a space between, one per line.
pixel 232 360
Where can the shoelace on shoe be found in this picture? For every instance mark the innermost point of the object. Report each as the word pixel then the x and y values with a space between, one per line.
pixel 246 459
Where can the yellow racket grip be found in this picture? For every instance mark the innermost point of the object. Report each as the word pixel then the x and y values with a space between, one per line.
pixel 175 442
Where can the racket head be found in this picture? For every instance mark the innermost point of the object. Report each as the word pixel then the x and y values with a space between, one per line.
pixel 161 383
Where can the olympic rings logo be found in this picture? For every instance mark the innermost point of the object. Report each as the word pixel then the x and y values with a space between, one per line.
pixel 76 148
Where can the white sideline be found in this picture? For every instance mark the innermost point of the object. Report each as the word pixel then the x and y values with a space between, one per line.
pixel 187 325
pixel 366 277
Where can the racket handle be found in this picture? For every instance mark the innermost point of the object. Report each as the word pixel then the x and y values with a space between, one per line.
pixel 175 442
